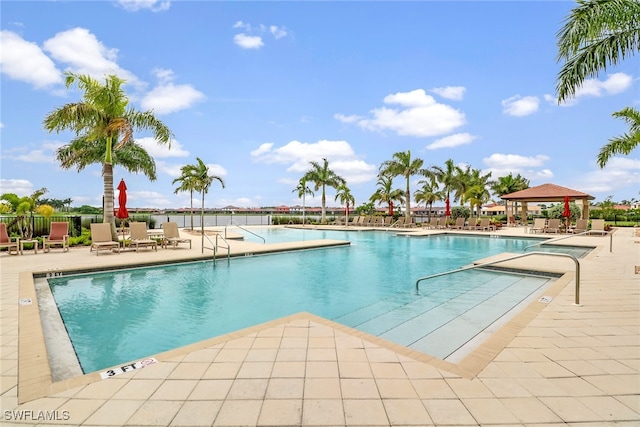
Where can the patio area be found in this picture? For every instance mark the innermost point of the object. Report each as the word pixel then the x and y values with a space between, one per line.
pixel 555 363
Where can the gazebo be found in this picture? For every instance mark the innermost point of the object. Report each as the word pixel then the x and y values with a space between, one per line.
pixel 547 193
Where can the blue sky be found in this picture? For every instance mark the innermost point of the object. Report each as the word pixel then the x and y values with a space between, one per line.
pixel 259 89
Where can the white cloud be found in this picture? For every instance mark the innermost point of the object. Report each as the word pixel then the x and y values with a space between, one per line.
pixel 218 170
pixel 347 119
pixel 20 187
pixel 156 150
pixel 85 54
pixel 248 42
pixel 170 98
pixel 147 199
pixel 43 154
pixel 455 93
pixel 297 155
pixel 452 141
pixel 615 83
pixel 153 5
pixel 25 61
pixel 529 167
pixel 419 115
pixel 277 32
pixel 240 24
pixel 620 173
pixel 520 106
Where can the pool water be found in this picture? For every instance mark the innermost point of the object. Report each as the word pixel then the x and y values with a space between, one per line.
pixel 116 317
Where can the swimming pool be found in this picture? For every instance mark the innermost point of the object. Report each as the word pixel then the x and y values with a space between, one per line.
pixel 121 316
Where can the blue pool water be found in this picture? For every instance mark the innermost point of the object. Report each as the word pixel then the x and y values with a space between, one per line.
pixel 116 317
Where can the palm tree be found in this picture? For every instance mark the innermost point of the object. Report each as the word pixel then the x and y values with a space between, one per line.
pixel 401 164
pixel 384 193
pixel 343 193
pixel 104 127
pixel 428 193
pixel 302 190
pixel 448 176
pixel 507 185
pixel 187 181
pixel 622 144
pixel 477 191
pixel 202 182
pixel 322 177
pixel 595 35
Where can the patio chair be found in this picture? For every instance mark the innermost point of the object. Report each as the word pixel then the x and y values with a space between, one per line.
pixel 387 221
pixel 553 226
pixel 140 238
pixel 472 224
pixel 459 225
pixel 539 225
pixel 172 235
pixel 597 226
pixel 58 236
pixel 581 226
pixel 432 224
pixel 11 243
pixel 101 238
pixel 485 225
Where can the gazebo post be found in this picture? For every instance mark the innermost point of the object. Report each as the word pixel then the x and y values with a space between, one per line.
pixel 524 217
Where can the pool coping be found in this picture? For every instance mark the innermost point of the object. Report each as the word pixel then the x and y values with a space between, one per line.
pixel 35 379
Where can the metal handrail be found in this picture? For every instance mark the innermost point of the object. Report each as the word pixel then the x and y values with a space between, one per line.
pixel 556 239
pixel 242 228
pixel 215 246
pixel 575 260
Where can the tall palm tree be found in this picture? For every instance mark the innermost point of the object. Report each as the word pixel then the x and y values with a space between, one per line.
pixel 476 188
pixel 322 177
pixel 448 176
pixel 202 183
pixel 102 121
pixel 597 34
pixel 428 193
pixel 302 190
pixel 385 192
pixel 187 181
pixel 343 193
pixel 401 164
pixel 622 144
pixel 508 184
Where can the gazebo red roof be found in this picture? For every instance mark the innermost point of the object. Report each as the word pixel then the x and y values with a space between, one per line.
pixel 547 193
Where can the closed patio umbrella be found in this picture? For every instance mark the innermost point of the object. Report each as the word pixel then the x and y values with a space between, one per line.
pixel 447 208
pixel 566 213
pixel 122 212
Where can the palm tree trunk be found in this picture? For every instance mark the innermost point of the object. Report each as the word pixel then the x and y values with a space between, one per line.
pixel 107 215
pixel 191 199
pixel 324 207
pixel 408 197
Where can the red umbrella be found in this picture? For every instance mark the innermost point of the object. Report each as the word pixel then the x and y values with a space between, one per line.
pixel 447 207
pixel 122 201
pixel 391 207
pixel 566 213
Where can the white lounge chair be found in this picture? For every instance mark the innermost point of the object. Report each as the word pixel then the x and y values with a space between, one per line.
pixel 597 226
pixel 139 236
pixel 101 238
pixel 172 235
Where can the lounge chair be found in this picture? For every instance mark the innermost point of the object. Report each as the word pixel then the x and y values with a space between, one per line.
pixel 597 226
pixel 387 221
pixel 398 223
pixel 172 235
pixel 512 221
pixel 485 225
pixel 472 224
pixel 459 225
pixel 11 243
pixel 101 238
pixel 58 236
pixel 581 226
pixel 539 225
pixel 432 224
pixel 553 226
pixel 139 236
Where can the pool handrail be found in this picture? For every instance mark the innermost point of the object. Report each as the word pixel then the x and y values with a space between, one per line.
pixel 485 264
pixel 214 246
pixel 242 228
pixel 544 242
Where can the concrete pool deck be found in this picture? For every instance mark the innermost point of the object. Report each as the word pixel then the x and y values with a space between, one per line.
pixel 554 363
